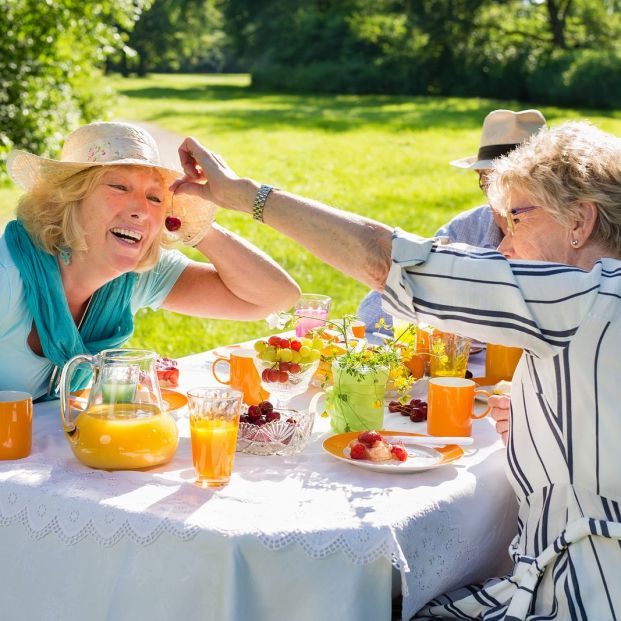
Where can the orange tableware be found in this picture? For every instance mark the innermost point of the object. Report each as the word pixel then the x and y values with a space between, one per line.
pixel 451 406
pixel 416 365
pixel 15 424
pixel 243 375
pixel 358 329
pixel 500 361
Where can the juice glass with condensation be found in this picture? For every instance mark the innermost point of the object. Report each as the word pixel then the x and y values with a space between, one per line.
pixel 500 361
pixel 214 421
pixel 448 354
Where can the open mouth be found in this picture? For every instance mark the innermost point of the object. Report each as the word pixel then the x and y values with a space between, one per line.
pixel 128 236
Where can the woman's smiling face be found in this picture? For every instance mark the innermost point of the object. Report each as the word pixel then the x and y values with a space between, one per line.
pixel 122 218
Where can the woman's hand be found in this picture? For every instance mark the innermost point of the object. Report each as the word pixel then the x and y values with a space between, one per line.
pixel 501 413
pixel 207 175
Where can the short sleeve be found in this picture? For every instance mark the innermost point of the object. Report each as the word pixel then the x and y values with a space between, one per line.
pixel 154 286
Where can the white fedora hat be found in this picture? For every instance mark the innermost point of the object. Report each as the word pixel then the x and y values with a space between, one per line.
pixel 503 131
pixel 115 144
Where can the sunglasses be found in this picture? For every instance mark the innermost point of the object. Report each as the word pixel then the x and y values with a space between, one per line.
pixel 512 220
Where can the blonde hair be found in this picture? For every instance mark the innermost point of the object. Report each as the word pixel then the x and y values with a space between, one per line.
pixel 561 168
pixel 50 213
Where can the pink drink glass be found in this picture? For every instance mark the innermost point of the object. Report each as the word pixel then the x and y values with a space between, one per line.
pixel 312 308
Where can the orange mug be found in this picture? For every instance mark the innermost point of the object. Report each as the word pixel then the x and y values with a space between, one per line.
pixel 15 424
pixel 500 361
pixel 450 404
pixel 243 375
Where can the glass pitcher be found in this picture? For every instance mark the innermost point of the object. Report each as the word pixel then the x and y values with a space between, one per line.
pixel 123 426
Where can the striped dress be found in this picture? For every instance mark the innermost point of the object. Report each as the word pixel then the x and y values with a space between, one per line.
pixel 564 450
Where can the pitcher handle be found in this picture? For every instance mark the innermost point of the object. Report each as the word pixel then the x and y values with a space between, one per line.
pixel 312 406
pixel 65 389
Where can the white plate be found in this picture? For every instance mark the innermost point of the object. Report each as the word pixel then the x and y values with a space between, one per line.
pixel 420 458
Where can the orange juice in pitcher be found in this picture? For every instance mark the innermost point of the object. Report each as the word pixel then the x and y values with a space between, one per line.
pixel 123 426
pixel 124 436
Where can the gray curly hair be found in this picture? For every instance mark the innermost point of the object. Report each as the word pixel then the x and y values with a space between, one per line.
pixel 560 168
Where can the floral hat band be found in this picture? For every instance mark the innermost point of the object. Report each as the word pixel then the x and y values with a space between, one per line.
pixel 115 144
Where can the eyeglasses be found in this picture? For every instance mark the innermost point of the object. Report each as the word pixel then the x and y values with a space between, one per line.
pixel 484 182
pixel 512 220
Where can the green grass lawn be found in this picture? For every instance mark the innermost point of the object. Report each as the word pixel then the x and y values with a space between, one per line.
pixel 381 156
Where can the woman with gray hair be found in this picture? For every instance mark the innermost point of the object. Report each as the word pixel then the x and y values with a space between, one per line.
pixel 553 288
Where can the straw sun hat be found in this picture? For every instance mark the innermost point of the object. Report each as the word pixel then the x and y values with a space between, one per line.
pixel 108 144
pixel 503 131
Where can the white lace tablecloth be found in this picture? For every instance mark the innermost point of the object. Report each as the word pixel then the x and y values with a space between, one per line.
pixel 439 529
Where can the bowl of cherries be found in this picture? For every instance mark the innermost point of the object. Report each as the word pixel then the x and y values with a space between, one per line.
pixel 264 430
pixel 416 409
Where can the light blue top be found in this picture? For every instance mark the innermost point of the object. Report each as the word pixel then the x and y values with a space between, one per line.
pixel 20 367
pixel 475 227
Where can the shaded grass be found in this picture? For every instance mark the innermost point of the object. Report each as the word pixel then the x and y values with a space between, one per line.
pixel 381 156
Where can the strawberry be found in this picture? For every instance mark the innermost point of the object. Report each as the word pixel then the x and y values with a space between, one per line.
pixel 358 451
pixel 369 438
pixel 167 372
pixel 399 452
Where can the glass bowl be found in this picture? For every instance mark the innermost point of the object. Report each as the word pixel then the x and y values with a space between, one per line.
pixel 292 383
pixel 286 436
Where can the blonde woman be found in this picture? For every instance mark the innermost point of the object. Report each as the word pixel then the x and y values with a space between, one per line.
pixel 85 253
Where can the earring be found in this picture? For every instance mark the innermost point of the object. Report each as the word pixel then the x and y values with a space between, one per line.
pixel 64 254
pixel 574 242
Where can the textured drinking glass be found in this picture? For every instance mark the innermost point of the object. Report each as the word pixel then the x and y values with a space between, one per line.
pixel 312 310
pixel 448 354
pixel 214 421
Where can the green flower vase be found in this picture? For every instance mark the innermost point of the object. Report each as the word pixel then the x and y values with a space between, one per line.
pixel 356 402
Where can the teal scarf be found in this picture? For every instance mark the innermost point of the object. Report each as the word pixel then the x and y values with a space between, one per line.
pixel 108 322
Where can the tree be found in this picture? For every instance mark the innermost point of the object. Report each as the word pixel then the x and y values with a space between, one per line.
pixel 174 35
pixel 49 55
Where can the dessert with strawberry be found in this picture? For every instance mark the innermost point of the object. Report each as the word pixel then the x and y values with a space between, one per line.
pixel 371 445
pixel 167 372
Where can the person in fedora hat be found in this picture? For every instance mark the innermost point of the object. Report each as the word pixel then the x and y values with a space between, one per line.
pixel 91 245
pixel 503 131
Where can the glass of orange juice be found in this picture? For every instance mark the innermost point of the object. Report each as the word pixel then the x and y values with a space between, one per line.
pixel 214 420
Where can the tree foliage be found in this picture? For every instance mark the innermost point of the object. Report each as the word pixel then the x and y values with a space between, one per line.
pixel 177 35
pixel 500 48
pixel 49 54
